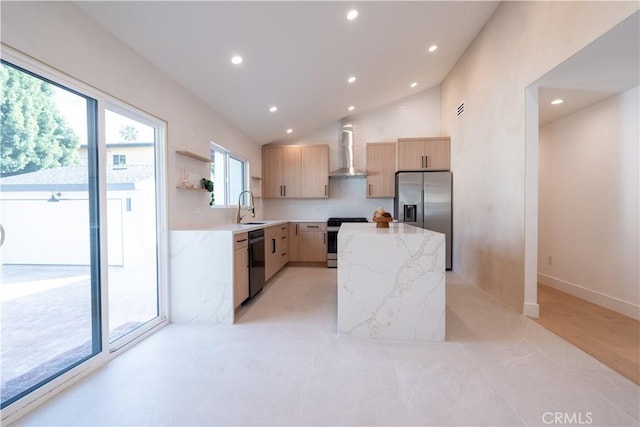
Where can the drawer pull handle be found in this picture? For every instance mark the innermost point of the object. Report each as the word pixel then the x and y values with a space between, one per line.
pixel 242 240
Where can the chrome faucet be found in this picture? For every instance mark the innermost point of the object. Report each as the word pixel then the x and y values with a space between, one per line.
pixel 251 209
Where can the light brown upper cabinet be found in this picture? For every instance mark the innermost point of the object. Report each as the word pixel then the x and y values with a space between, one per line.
pixel 424 153
pixel 315 171
pixel 295 171
pixel 381 168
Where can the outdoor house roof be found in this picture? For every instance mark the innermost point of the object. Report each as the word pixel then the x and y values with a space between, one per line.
pixel 76 178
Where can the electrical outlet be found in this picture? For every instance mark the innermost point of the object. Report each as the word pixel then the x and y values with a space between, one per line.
pixel 550 260
pixel 198 211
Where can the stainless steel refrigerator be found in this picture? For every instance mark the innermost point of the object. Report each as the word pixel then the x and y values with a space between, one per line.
pixel 423 199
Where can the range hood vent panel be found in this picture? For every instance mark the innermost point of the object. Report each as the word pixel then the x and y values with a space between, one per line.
pixel 346 155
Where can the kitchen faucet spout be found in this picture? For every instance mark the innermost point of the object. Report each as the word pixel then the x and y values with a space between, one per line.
pixel 252 207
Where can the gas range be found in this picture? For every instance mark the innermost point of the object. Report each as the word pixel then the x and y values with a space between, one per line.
pixel 333 226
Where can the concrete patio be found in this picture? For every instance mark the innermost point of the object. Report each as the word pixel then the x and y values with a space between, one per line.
pixel 46 317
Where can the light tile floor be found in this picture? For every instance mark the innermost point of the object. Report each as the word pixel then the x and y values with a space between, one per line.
pixel 283 364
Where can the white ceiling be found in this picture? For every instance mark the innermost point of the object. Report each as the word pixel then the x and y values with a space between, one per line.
pixel 608 66
pixel 297 55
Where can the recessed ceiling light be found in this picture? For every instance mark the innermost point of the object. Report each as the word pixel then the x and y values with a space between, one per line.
pixel 273 109
pixel 433 48
pixel 237 59
pixel 557 101
pixel 351 79
pixel 414 84
pixel 289 130
pixel 351 108
pixel 352 14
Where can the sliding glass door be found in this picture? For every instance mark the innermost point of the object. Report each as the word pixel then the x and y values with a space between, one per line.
pixel 82 256
pixel 131 218
pixel 50 260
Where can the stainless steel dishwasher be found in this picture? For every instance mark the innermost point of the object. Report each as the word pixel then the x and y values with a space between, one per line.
pixel 256 262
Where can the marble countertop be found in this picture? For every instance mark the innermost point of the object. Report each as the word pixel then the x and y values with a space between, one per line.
pixel 242 228
pixel 395 228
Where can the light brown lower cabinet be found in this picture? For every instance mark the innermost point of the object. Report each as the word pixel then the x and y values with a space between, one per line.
pixel 308 241
pixel 240 268
pixel 276 241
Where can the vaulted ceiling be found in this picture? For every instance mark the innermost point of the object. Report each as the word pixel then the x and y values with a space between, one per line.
pixel 298 56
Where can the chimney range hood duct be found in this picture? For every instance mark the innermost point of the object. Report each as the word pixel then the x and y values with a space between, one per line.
pixel 346 154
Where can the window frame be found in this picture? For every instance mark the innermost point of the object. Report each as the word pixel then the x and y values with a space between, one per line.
pixel 226 178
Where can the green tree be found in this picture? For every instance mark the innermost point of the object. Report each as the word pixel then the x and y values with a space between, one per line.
pixel 128 133
pixel 34 134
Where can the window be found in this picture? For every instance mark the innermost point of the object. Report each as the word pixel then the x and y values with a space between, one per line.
pixel 229 176
pixel 119 160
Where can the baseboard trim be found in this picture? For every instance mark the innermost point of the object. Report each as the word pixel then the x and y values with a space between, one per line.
pixel 612 303
pixel 531 310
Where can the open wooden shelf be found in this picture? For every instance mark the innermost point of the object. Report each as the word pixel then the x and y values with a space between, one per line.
pixel 194 156
pixel 190 188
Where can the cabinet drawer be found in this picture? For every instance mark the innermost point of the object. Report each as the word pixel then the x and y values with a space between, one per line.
pixel 271 232
pixel 311 226
pixel 240 240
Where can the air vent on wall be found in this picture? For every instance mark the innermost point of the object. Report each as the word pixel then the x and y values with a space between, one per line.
pixel 460 110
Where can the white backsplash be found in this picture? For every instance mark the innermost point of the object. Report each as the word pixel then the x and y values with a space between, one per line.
pixel 346 199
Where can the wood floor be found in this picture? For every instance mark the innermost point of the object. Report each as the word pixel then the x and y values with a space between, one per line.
pixel 610 337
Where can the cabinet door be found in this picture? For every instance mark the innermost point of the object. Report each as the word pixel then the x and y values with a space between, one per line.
pixel 315 171
pixel 307 242
pixel 240 275
pixel 271 255
pixel 437 154
pixel 294 254
pixel 292 187
pixel 272 172
pixel 312 246
pixel 410 154
pixel 381 168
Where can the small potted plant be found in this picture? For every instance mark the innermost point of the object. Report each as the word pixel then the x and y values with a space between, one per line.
pixel 207 184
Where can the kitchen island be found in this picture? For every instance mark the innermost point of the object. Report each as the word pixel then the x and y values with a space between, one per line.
pixel 391 282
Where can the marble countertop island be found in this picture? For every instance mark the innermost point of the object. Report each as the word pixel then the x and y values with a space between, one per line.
pixel 391 282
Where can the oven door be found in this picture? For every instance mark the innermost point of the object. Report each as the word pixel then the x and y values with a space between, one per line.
pixel 332 246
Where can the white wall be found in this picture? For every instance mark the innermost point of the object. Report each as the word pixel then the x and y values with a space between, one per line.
pixel 588 203
pixel 521 42
pixel 413 116
pixel 60 35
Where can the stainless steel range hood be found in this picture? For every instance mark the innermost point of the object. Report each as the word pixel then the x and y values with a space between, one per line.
pixel 346 155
